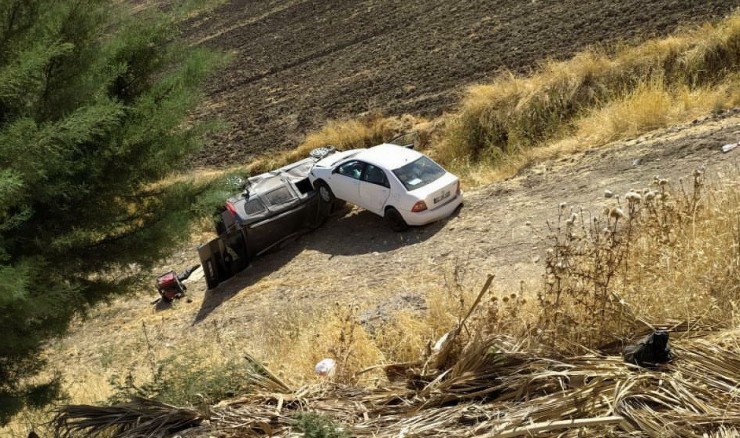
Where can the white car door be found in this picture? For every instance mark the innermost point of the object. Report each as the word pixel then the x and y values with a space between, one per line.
pixel 374 189
pixel 345 181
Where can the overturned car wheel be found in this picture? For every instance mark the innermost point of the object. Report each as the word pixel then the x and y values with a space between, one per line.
pixel 320 153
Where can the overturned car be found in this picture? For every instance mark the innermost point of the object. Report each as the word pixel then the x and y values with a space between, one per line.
pixel 273 207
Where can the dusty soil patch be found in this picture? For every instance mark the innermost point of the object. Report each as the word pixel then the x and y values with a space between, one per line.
pixel 489 234
pixel 300 62
pixel 357 259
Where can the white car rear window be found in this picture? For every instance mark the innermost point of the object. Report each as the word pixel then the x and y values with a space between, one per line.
pixel 419 173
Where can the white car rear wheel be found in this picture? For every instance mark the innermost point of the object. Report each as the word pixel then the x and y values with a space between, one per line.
pixel 395 220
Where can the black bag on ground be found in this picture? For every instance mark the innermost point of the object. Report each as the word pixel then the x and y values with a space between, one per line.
pixel 650 351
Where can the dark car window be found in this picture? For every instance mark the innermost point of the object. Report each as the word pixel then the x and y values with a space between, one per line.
pixel 352 169
pixel 375 175
pixel 419 173
pixel 280 195
pixel 253 206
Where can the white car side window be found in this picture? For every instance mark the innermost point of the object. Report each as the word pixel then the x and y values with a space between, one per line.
pixel 352 169
pixel 375 175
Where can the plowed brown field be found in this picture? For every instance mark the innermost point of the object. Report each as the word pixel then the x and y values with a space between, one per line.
pixel 298 63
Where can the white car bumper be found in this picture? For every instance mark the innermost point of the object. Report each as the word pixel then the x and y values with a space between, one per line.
pixel 429 216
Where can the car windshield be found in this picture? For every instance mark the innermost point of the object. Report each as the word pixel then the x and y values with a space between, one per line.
pixel 419 173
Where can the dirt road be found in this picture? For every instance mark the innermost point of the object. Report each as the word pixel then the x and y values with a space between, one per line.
pixel 356 258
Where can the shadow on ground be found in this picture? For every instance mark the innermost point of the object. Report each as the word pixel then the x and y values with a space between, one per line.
pixel 355 233
pixel 361 232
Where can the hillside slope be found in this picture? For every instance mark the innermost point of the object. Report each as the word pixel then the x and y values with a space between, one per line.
pixel 355 259
pixel 300 62
pixel 358 259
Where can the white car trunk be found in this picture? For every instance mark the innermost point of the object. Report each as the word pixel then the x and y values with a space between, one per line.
pixel 439 192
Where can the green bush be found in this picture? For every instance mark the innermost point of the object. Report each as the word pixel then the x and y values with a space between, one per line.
pixel 314 425
pixel 186 381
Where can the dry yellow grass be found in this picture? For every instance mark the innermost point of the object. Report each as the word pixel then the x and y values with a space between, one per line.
pixel 294 340
pixel 695 264
pixel 669 252
pixel 367 131
pixel 595 97
pixel 652 105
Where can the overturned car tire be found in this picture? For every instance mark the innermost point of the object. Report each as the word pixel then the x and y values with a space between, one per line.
pixel 320 153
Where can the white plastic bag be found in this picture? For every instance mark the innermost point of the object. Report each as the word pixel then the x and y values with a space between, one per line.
pixel 325 367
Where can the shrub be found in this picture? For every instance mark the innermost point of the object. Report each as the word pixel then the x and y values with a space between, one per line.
pixel 185 381
pixel 315 425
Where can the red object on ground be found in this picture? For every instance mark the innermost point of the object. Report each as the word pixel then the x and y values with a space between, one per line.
pixel 169 286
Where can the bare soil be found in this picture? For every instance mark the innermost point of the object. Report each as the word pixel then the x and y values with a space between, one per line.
pixel 298 63
pixel 355 258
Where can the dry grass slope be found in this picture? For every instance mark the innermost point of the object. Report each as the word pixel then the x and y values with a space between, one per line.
pixel 665 255
pixel 599 95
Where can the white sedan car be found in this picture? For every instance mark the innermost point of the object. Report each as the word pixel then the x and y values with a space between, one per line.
pixel 400 184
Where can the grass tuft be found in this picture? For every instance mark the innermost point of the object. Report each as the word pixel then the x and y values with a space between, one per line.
pixel 364 132
pixel 315 425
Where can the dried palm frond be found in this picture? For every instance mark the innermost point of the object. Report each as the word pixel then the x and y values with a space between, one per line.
pixel 492 388
pixel 138 418
pixel 263 378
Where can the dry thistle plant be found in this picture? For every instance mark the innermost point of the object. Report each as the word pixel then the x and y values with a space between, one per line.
pixel 351 338
pixel 689 248
pixel 504 314
pixel 640 263
pixel 581 264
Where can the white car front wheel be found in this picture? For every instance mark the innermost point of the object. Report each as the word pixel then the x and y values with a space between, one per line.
pixel 327 198
pixel 325 193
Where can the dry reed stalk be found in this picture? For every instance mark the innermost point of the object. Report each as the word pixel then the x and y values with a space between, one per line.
pixel 139 417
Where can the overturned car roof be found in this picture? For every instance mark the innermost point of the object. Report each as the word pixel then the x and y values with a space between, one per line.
pixel 273 192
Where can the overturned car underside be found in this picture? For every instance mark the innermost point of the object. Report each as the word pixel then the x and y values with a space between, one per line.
pixel 274 206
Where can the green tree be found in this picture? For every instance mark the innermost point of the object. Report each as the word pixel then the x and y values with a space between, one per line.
pixel 93 114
